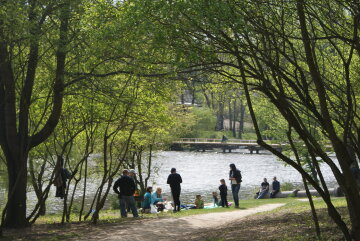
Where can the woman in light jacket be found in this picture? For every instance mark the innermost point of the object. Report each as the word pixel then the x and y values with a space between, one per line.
pixel 157 199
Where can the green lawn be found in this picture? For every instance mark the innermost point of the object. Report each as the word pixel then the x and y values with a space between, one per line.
pixel 291 205
pixel 292 221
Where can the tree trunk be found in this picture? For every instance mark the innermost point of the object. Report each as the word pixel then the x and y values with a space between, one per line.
pixel 313 210
pixel 193 91
pixel 241 120
pixel 17 176
pixel 234 118
pixel 207 98
pixel 84 190
pixel 308 194
pixel 230 116
pixel 220 117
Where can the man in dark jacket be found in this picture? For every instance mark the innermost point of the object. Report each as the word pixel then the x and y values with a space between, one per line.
pixel 275 188
pixel 174 180
pixel 125 188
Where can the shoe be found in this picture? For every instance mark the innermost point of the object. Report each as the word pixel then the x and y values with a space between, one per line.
pixel 237 207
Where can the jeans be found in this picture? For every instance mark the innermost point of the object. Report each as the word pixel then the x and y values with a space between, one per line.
pixel 235 188
pixel 262 194
pixel 127 201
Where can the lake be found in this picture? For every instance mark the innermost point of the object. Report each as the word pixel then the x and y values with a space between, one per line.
pixel 201 172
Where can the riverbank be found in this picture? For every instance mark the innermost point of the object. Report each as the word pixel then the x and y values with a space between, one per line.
pixel 287 216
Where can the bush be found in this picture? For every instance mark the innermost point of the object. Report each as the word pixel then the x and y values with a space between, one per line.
pixel 114 200
pixel 287 186
pixel 206 119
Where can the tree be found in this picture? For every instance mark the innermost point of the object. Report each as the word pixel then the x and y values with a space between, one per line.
pixel 20 57
pixel 297 54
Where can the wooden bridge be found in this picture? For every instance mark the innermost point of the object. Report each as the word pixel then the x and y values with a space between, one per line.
pixel 203 144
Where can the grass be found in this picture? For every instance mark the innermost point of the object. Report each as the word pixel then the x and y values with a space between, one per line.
pixel 292 205
pixel 111 215
pixel 292 221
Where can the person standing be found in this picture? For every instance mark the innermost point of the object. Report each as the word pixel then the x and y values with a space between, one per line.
pixel 235 178
pixel 223 193
pixel 61 176
pixel 125 188
pixel 275 188
pixel 132 174
pixel 174 180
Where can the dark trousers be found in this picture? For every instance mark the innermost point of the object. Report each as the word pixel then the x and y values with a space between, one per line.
pixel 60 191
pixel 273 193
pixel 224 201
pixel 176 197
pixel 160 206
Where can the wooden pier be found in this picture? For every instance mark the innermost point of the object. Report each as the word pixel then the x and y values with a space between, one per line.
pixel 203 144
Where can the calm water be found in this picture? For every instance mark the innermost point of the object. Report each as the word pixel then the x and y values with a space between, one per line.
pixel 201 173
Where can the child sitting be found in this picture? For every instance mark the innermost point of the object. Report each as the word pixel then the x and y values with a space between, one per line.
pixel 199 202
pixel 215 199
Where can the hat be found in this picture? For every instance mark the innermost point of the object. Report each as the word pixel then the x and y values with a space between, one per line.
pixel 173 170
pixel 132 171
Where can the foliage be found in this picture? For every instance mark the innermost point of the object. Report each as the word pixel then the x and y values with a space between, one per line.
pixel 287 186
pixel 296 55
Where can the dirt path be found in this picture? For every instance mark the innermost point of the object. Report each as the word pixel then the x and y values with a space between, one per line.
pixel 168 228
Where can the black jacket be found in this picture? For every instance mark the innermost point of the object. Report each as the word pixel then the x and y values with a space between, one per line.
pixel 174 179
pixel 126 185
pixel 223 189
pixel 236 174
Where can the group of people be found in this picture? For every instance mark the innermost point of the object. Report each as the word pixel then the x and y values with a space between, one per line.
pixel 235 181
pixel 153 198
pixel 125 187
pixel 265 187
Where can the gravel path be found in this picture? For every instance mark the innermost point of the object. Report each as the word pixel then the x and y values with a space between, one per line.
pixel 169 228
